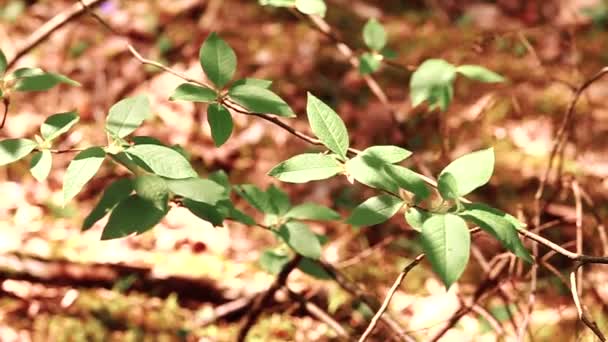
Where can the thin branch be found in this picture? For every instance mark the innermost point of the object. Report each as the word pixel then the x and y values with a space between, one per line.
pixel 579 232
pixel 579 308
pixel 601 228
pixel 356 291
pixel 318 313
pixel 6 101
pixel 264 300
pixel 366 253
pixel 44 31
pixel 389 296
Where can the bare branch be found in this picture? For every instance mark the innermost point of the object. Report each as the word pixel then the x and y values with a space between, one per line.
pixel 44 31
pixel 261 302
pixel 579 308
pixel 389 296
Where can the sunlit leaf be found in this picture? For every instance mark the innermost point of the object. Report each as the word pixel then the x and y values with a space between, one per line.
pixel 260 100
pixel 258 82
pixel 375 210
pixel 433 82
pixel 479 73
pixel 306 167
pixel 327 125
pixel 415 217
pixel 408 180
pixel 193 93
pixel 152 188
pixel 317 7
pixel 163 161
pixel 468 172
pixel 218 60
pixel 41 82
pixel 198 189
pixel 498 225
pixel 369 63
pixel 255 196
pixel 81 169
pixel 3 62
pixel 446 241
pixel 57 124
pixel 312 211
pixel 279 200
pixel 127 115
pixel 299 237
pixel 273 261
pixel 40 165
pixel 374 35
pixel 12 150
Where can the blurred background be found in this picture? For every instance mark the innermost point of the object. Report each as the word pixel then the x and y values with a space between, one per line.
pixel 187 280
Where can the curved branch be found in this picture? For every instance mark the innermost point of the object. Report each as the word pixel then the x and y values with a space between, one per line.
pixel 44 31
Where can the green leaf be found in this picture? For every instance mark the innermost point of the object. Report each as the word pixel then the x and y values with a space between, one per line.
pixel 257 82
pixel 479 73
pixel 114 193
pixel 255 196
pixel 317 7
pixel 127 115
pixel 279 200
pixel 313 268
pixel 132 215
pixel 81 169
pixel 369 170
pixel 193 93
pixel 447 186
pixel 388 153
pixel 153 189
pixel 218 60
pixel 260 100
pixel 389 53
pixel 12 150
pixel 469 172
pixel 3 62
pixel 375 210
pixel 415 217
pixel 198 189
pixel 162 160
pixel 56 125
pixel 446 242
pixel 227 209
pixel 24 72
pixel 220 121
pixel 204 211
pixel 273 261
pixel 498 225
pixel 40 82
pixel 312 211
pixel 374 35
pixel 306 167
pixel 277 3
pixel 221 178
pixel 327 126
pixel 433 82
pixel 408 180
pixel 299 237
pixel 40 165
pixel 145 140
pixel 369 63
